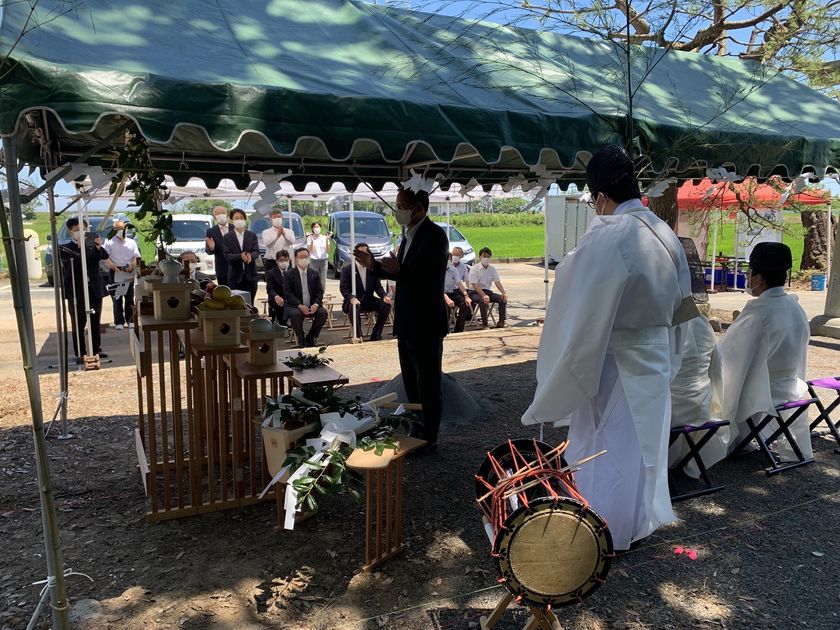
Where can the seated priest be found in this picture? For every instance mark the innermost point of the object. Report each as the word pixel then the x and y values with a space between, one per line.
pixel 303 295
pixel 765 352
pixel 274 287
pixel 370 296
pixel 607 349
pixel 696 393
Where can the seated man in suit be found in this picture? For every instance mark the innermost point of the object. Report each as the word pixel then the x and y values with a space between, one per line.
pixel 304 295
pixel 370 297
pixel 190 258
pixel 274 287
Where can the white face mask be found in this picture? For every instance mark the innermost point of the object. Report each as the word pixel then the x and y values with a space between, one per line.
pixel 239 224
pixel 221 219
pixel 303 263
pixel 403 216
pixel 449 264
pixel 456 260
pixel 485 261
pixel 120 234
pixel 277 222
pixel 748 287
pixel 283 264
pixel 78 235
pixel 316 231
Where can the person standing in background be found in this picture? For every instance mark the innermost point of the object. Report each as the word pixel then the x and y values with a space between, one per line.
pixel 242 250
pixel 123 255
pixel 318 245
pixel 214 243
pixel 276 239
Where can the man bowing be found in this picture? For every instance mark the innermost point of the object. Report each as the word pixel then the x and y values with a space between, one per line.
pixel 607 351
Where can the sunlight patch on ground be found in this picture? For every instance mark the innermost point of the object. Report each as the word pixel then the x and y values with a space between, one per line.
pixel 709 509
pixel 701 605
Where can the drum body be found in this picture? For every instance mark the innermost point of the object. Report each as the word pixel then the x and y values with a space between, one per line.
pixel 551 549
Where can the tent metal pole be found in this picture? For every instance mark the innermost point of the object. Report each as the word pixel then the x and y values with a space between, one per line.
pixel 828 243
pixel 89 349
pixel 60 322
pixel 716 220
pixel 545 256
pixel 12 228
pixel 353 307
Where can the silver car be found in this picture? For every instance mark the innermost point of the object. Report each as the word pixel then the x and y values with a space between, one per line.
pixel 456 239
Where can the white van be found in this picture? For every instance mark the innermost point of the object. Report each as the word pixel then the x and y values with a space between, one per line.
pixel 190 231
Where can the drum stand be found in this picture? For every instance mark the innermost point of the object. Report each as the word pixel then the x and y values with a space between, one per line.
pixel 541 618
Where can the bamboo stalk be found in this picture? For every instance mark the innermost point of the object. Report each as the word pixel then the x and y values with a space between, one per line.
pixel 536 482
pixel 524 471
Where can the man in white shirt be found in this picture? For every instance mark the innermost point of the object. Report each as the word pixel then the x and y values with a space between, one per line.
pixel 455 292
pixel 276 238
pixel 482 277
pixel 318 245
pixel 460 266
pixel 122 262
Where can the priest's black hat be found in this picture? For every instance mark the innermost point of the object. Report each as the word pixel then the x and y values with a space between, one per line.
pixel 771 257
pixel 608 167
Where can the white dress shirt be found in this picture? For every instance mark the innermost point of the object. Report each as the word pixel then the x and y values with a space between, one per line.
pixel 363 275
pixel 462 269
pixel 318 247
pixel 122 252
pixel 484 276
pixel 274 242
pixel 304 285
pixel 240 236
pixel 452 280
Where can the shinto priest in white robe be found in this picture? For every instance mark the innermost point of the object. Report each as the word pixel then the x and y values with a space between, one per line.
pixel 697 393
pixel 606 359
pixel 765 355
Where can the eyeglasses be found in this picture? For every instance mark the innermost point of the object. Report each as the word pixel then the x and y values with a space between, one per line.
pixel 591 202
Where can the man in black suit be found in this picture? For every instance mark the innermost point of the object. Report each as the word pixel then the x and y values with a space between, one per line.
pixel 304 296
pixel 370 296
pixel 274 287
pixel 241 250
pixel 214 244
pixel 75 286
pixel 420 318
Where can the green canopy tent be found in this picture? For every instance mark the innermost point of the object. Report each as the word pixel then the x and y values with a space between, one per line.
pixel 344 91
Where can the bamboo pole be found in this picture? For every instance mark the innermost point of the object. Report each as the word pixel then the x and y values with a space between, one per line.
pixel 12 229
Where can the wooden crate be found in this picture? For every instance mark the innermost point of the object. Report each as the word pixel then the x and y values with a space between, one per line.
pixel 222 328
pixel 171 302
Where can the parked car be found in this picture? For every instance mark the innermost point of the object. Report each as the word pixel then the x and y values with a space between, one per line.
pixel 97 223
pixel 260 223
pixel 190 231
pixel 370 228
pixel 456 239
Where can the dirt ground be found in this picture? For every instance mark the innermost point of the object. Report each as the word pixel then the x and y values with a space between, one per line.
pixel 767 548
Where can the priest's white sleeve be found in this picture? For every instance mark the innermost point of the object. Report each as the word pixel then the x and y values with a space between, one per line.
pixel 581 313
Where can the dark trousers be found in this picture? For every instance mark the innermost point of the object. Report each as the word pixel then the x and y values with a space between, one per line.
pixel 462 311
pixel 278 313
pixel 221 273
pixel 247 285
pixel 420 364
pixel 485 308
pixel 371 305
pixel 124 306
pixel 296 318
pixel 79 323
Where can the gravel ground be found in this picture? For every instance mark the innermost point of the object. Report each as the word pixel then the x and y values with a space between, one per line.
pixel 767 548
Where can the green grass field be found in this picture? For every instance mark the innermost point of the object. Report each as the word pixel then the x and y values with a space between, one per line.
pixel 514 241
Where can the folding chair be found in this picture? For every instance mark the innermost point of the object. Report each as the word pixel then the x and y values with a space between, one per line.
pixel 832 383
pixel 784 428
pixel 693 454
pixel 476 314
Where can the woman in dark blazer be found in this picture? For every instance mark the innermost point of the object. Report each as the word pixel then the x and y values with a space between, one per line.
pixel 241 251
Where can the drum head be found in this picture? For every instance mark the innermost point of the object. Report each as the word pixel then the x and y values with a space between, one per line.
pixel 502 454
pixel 554 552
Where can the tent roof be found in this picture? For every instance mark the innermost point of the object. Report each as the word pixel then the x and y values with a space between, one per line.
pixel 706 194
pixel 336 90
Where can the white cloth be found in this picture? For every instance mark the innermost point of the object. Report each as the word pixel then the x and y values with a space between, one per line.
pixel 317 246
pixel 605 365
pixel 697 392
pixel 483 276
pixel 304 286
pixel 409 237
pixel 451 281
pixel 240 236
pixel 765 356
pixel 122 252
pixel 275 242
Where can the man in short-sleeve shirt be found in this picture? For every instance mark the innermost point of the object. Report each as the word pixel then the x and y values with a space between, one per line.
pixel 482 277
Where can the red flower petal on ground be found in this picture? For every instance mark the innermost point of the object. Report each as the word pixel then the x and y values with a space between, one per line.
pixel 678 550
pixel 692 554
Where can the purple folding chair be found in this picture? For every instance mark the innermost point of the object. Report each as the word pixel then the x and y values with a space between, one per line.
pixel 694 448
pixel 833 383
pixel 784 428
